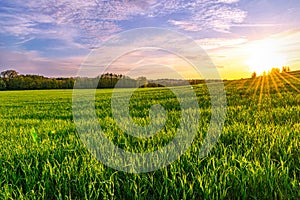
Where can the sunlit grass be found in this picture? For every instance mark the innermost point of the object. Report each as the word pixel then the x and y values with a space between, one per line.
pixel 275 85
pixel 285 80
pixel 256 157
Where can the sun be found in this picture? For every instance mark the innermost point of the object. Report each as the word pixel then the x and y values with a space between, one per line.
pixel 264 56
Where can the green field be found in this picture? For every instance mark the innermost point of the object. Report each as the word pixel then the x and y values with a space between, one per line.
pixel 256 157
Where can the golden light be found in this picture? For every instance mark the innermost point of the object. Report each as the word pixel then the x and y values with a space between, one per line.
pixel 263 56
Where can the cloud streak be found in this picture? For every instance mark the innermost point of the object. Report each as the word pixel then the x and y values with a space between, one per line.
pixel 30 62
pixel 212 15
pixel 216 43
pixel 89 22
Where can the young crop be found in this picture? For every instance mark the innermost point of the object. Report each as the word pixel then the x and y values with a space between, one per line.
pixel 256 157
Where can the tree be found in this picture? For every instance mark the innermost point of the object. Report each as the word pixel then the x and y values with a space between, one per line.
pixel 275 71
pixel 142 81
pixel 264 73
pixel 286 69
pixel 12 80
pixel 9 74
pixel 253 75
pixel 2 84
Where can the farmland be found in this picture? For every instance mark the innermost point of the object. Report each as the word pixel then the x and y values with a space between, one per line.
pixel 256 157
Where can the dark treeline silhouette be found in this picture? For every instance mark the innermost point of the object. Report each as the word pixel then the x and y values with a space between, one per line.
pixel 107 80
pixel 12 80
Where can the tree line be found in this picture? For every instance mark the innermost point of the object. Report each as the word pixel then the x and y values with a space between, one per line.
pixel 12 80
pixel 284 69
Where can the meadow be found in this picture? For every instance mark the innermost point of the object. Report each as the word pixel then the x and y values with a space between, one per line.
pixel 256 157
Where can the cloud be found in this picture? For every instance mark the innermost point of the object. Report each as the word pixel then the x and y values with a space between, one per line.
pixel 89 22
pixel 186 25
pixel 30 62
pixel 286 43
pixel 233 53
pixel 228 1
pixel 215 43
pixel 211 15
pixel 86 22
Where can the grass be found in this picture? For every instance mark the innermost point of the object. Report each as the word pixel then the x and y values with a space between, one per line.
pixel 256 157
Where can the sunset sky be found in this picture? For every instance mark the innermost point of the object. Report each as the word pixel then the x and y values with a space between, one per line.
pixel 53 37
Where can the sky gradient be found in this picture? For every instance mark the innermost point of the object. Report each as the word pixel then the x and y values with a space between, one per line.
pixel 53 37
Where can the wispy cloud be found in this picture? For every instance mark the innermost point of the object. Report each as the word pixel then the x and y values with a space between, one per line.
pixel 228 1
pixel 211 15
pixel 233 53
pixel 30 62
pixel 89 22
pixel 41 36
pixel 215 43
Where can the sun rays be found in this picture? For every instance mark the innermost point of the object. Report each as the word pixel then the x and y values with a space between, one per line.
pixel 264 88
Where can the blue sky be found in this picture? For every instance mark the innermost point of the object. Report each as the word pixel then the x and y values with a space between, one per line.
pixel 53 37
